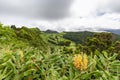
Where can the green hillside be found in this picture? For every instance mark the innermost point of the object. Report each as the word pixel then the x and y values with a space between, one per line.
pixel 81 37
pixel 32 54
pixel 22 37
pixel 78 37
pixel 32 37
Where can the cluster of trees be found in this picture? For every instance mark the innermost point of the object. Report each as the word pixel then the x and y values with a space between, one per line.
pixel 81 37
pixel 30 35
pixel 102 42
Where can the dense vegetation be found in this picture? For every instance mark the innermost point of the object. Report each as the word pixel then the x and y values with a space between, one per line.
pixel 78 37
pixel 31 54
pixel 81 37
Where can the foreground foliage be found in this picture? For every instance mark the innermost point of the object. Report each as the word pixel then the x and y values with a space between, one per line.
pixel 33 64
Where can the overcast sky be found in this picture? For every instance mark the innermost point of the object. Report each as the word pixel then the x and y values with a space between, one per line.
pixel 61 15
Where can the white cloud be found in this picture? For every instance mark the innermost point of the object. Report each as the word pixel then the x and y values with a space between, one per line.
pixel 85 15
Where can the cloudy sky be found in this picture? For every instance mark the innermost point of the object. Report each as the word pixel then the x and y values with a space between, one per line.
pixel 61 15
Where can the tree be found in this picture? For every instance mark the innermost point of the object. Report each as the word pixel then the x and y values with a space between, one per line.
pixel 100 41
pixel 13 26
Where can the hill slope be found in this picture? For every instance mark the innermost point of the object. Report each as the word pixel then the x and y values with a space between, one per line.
pixel 81 37
pixel 22 37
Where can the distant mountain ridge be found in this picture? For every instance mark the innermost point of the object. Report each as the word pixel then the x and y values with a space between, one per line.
pixel 50 31
pixel 115 31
